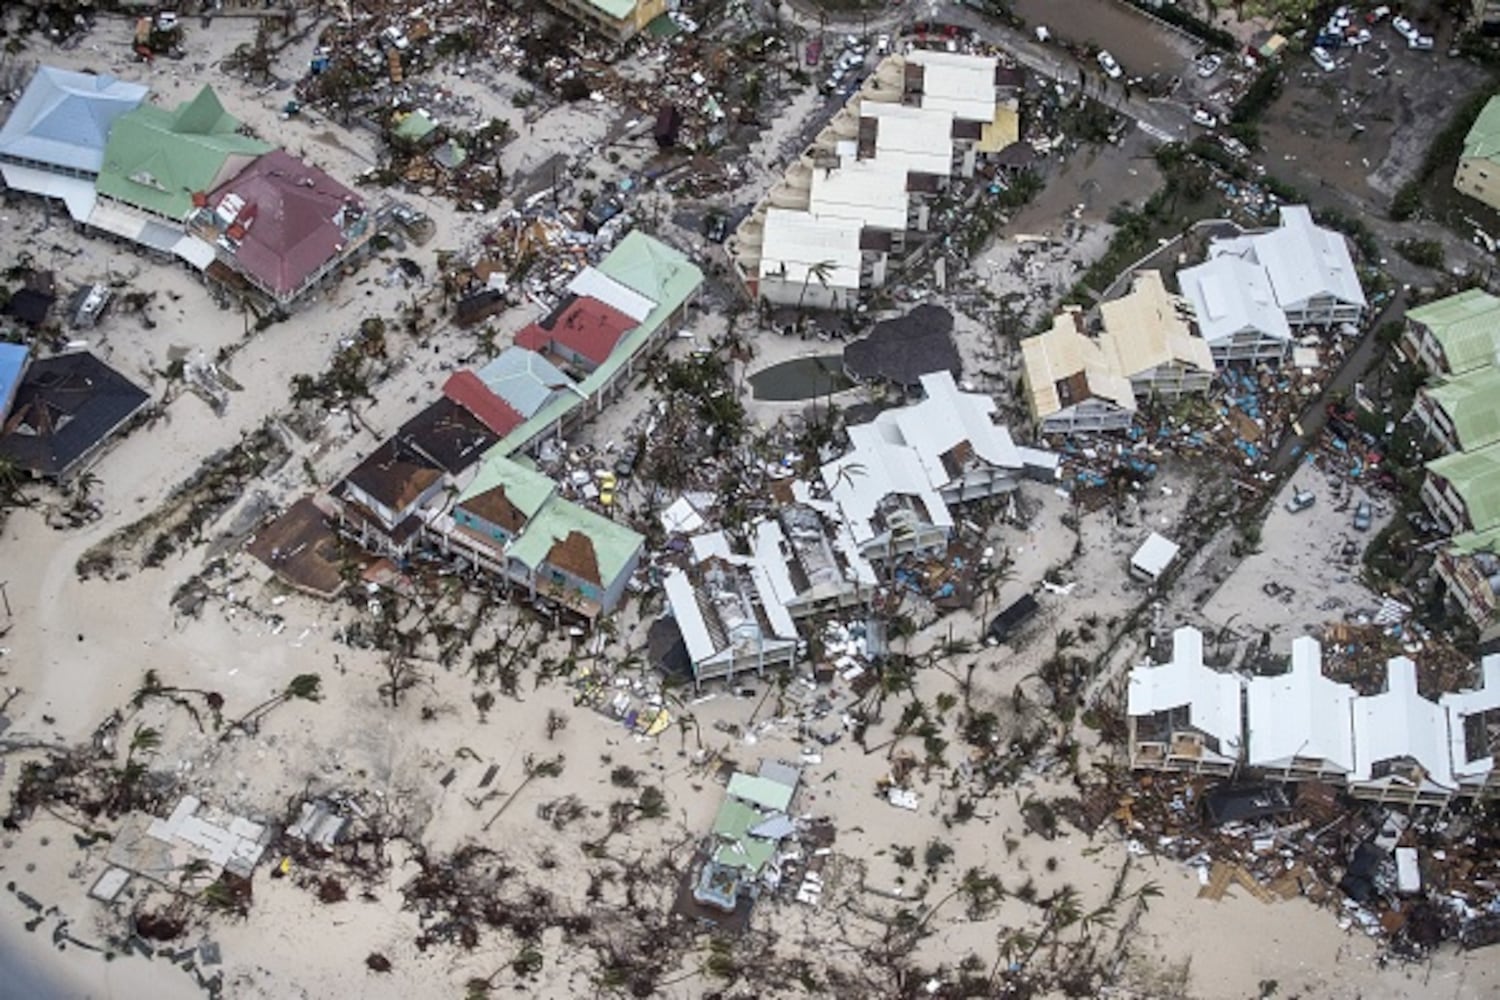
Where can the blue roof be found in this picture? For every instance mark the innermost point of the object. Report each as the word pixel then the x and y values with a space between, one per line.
pixel 64 118
pixel 525 380
pixel 12 367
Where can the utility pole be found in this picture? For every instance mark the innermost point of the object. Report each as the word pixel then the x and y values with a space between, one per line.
pixel 5 599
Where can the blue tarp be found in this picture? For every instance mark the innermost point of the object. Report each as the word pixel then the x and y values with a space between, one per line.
pixel 12 367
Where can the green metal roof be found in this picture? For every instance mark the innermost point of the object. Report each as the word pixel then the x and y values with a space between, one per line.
pixel 645 266
pixel 1475 476
pixel 614 544
pixel 1483 140
pixel 1467 325
pixel 1471 542
pixel 1472 402
pixel 732 824
pixel 655 270
pixel 415 127
pixel 760 791
pixel 526 488
pixel 157 159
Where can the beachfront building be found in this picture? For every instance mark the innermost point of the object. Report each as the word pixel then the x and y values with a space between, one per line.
pixel 616 20
pixel 508 521
pixel 1183 715
pixel 283 227
pixel 1478 174
pixel 1401 746
pixel 1300 729
pixel 160 165
pixel 1145 347
pixel 730 615
pixel 530 394
pixel 909 466
pixel 742 847
pixel 380 501
pixel 1461 413
pixel 62 411
pixel 812 568
pixel 1310 270
pixel 53 142
pixel 1454 335
pixel 1236 311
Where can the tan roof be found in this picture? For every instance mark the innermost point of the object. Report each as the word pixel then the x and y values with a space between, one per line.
pixel 1064 366
pixel 1149 326
pixel 1143 329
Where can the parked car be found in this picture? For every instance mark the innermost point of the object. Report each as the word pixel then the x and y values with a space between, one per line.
pixel 1358 38
pixel 1405 28
pixel 1421 42
pixel 1301 500
pixel 1110 67
pixel 1323 58
pixel 883 44
pixel 1362 516
pixel 1209 65
pixel 1204 118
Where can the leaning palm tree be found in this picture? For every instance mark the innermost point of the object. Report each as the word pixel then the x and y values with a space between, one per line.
pixel 303 687
pixel 822 270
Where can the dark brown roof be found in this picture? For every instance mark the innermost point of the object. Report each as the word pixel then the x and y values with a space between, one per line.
pixel 393 475
pixel 495 507
pixel 904 349
pixel 447 435
pixel 65 407
pixel 301 549
pixel 575 555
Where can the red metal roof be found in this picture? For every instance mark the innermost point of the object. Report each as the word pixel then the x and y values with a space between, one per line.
pixel 290 219
pixel 584 325
pixel 466 389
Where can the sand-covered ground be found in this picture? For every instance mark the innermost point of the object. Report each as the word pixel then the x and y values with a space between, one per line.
pixel 77 650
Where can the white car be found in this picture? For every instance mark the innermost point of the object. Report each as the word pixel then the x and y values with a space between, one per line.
pixel 1360 37
pixel 883 44
pixel 1423 42
pixel 1405 28
pixel 1204 118
pixel 1209 65
pixel 1323 58
pixel 1110 67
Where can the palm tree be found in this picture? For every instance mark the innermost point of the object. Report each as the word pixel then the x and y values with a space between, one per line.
pixel 822 270
pixel 12 478
pixel 303 687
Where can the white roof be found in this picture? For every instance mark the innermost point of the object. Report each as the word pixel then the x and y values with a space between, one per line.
pixel 598 285
pixel 1301 713
pixel 794 243
pixel 959 83
pixel 916 139
pixel 75 192
pixel 690 623
pixel 681 518
pixel 901 452
pixel 1301 259
pixel 1461 705
pixel 1229 295
pixel 1155 554
pixel 870 192
pixel 1401 723
pixel 1212 698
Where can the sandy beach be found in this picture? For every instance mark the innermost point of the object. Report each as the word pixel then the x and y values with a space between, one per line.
pixel 450 769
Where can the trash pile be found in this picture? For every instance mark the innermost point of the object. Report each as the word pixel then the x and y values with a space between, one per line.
pixel 1412 880
pixel 1355 653
pixel 634 700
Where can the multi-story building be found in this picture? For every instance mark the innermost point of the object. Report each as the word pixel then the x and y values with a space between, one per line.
pixel 1455 335
pixel 1478 174
pixel 617 20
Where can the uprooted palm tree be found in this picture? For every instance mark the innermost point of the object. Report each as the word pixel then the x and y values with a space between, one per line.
pixel 152 687
pixel 303 687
